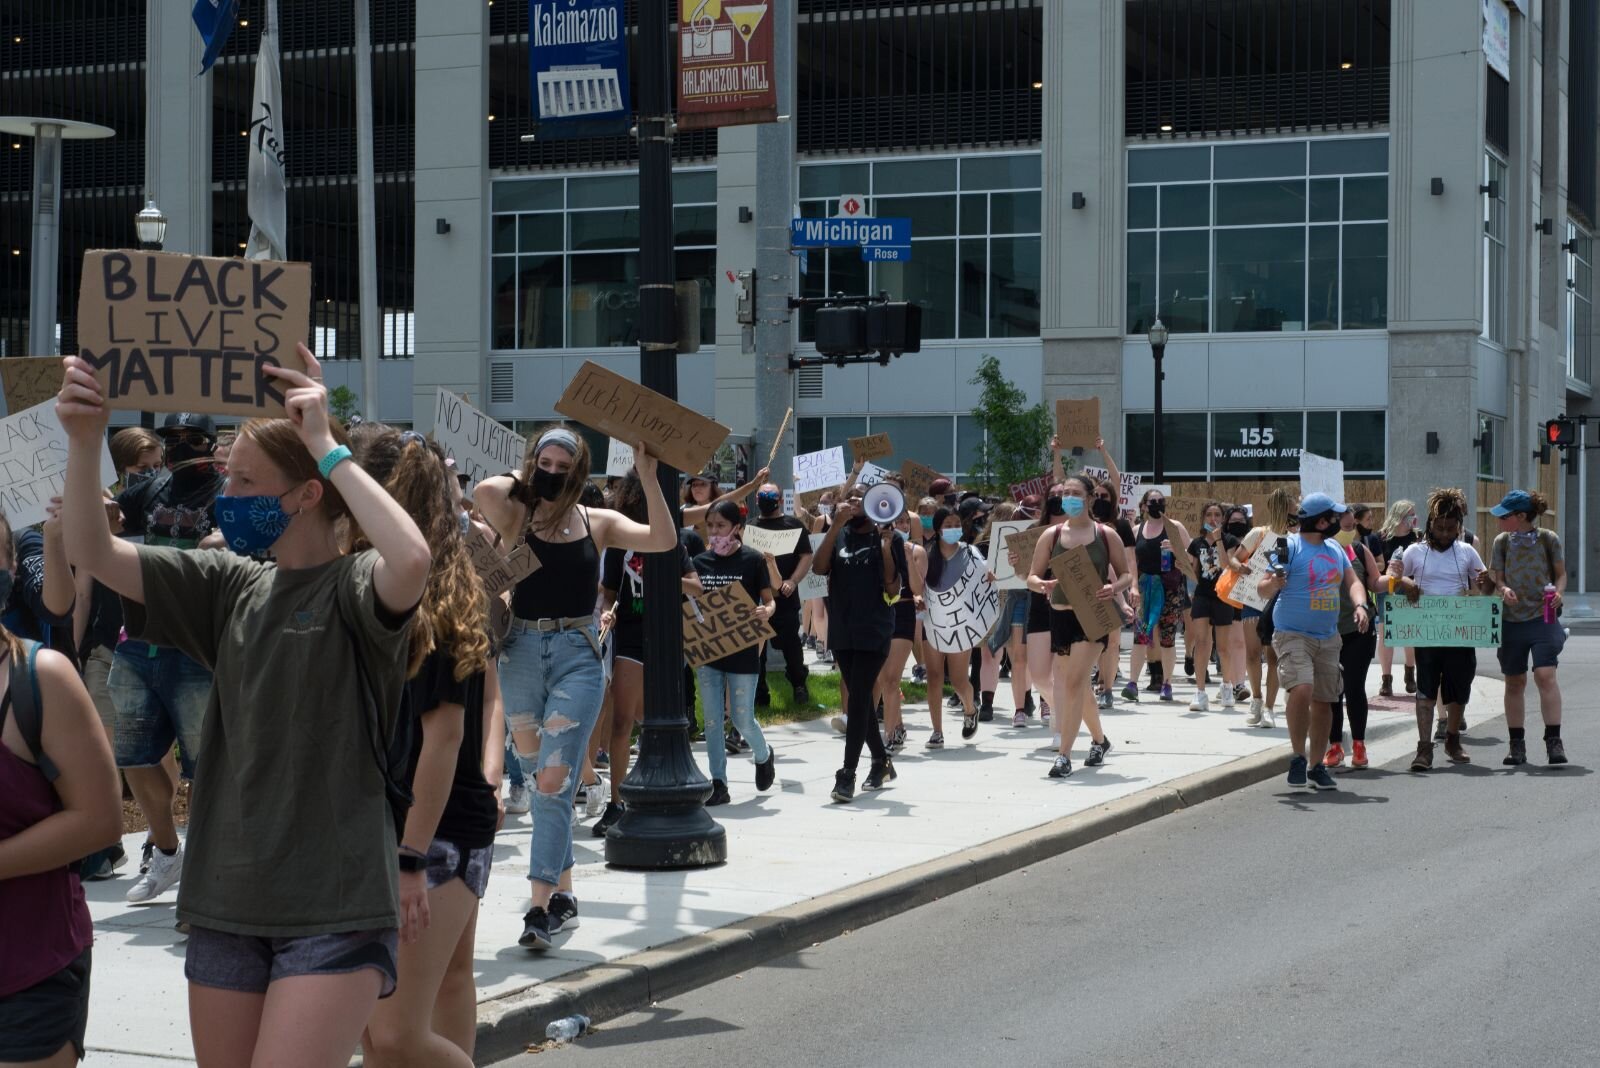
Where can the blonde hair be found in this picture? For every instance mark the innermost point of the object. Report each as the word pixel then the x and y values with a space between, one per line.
pixel 1397 511
pixel 1280 504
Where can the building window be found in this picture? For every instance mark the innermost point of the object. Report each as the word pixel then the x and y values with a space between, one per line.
pixel 1263 237
pixel 1260 444
pixel 1494 249
pixel 975 251
pixel 1580 303
pixel 564 267
pixel 948 443
pixel 1491 430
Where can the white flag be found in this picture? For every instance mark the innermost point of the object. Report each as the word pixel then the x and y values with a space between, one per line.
pixel 267 200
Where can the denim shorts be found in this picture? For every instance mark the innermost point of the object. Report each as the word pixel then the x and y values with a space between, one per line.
pixel 249 963
pixel 36 1022
pixel 161 697
pixel 447 861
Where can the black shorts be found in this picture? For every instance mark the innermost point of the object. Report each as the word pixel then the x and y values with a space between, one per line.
pixel 1446 673
pixel 905 619
pixel 36 1022
pixel 1039 613
pixel 1219 612
pixel 629 639
pixel 1066 631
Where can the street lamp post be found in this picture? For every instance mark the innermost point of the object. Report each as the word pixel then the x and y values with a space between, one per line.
pixel 150 223
pixel 1158 348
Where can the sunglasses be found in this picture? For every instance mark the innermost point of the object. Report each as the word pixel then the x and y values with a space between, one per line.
pixel 189 437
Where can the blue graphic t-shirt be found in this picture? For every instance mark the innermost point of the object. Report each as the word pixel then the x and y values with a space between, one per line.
pixel 1309 604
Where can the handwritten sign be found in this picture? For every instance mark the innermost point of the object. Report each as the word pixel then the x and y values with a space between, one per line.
pixel 499 571
pixel 1080 582
pixel 626 410
pixel 619 459
pixel 871 447
pixel 30 380
pixel 1189 511
pixel 1077 422
pixel 1007 577
pixel 871 474
pixel 1318 474
pixel 813 585
pixel 961 615
pixel 480 446
pixel 1471 622
pixel 776 542
pixel 1246 592
pixel 1033 487
pixel 1132 489
pixel 917 477
pixel 169 332
pixel 1022 545
pixel 819 470
pixel 719 623
pixel 33 463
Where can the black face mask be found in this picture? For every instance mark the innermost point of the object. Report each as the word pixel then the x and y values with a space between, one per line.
pixel 181 453
pixel 547 485
pixel 1156 509
pixel 1103 510
pixel 1052 506
pixel 1238 530
pixel 1361 531
pixel 766 505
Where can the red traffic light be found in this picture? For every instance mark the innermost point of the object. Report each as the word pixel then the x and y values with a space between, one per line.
pixel 1561 432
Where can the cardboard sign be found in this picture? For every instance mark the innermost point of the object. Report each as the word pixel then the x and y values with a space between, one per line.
pixel 1460 622
pixel 168 332
pixel 480 446
pixel 1189 512
pixel 813 585
pixel 820 470
pixel 871 474
pixel 619 460
pixel 1077 422
pixel 614 405
pixel 1318 474
pixel 1079 581
pixel 33 463
pixel 1007 577
pixel 776 542
pixel 871 447
pixel 961 615
pixel 499 571
pixel 1023 543
pixel 30 380
pixel 809 499
pixel 1033 487
pixel 719 623
pixel 917 477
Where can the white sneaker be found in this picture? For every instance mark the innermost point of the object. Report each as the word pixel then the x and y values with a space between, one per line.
pixel 517 801
pixel 838 724
pixel 598 796
pixel 1252 718
pixel 1225 696
pixel 164 872
pixel 1199 704
pixel 1266 719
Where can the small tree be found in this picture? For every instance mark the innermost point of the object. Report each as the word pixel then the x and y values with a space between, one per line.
pixel 342 403
pixel 1017 438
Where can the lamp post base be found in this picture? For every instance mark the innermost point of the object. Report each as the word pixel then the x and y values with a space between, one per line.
pixel 665 824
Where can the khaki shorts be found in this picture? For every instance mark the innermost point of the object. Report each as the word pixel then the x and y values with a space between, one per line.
pixel 1307 661
pixel 96 673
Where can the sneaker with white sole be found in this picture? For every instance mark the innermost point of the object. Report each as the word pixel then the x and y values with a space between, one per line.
pixel 1200 703
pixel 1268 721
pixel 838 723
pixel 517 800
pixel 1225 697
pixel 1252 718
pixel 595 803
pixel 164 873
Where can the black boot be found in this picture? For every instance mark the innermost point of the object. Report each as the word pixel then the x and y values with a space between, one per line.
pixel 844 785
pixel 986 709
pixel 880 773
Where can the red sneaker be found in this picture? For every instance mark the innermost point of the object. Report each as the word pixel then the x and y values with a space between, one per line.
pixel 1358 754
pixel 1335 757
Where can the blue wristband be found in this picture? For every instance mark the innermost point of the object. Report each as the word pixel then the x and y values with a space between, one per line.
pixel 336 456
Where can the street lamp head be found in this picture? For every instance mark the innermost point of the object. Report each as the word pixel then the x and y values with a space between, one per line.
pixel 150 224
pixel 1158 334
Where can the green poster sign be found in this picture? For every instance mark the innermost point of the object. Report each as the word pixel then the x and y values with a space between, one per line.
pixel 1443 621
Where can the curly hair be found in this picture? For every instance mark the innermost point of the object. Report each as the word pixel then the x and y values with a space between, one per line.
pixel 1446 503
pixel 453 614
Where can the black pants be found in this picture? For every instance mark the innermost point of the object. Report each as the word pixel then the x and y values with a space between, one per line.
pixel 786 628
pixel 1355 656
pixel 859 669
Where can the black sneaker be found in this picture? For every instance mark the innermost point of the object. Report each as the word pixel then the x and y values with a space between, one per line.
pixel 1518 753
pixel 1027 706
pixel 1061 768
pixel 733 743
pixel 879 774
pixel 1188 666
pixel 986 714
pixel 608 818
pixel 1097 753
pixel 896 740
pixel 535 930
pixel 844 786
pixel 1297 773
pixel 1555 751
pixel 1320 779
pixel 719 793
pixel 562 915
pixel 802 698
pixel 969 727
pixel 766 772
pixel 602 759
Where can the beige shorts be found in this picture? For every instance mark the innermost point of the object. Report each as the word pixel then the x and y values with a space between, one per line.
pixel 1307 661
pixel 96 670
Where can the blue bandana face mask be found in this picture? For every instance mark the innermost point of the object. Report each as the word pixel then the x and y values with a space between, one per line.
pixel 251 525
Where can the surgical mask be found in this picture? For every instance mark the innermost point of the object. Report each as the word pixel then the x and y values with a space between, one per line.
pixel 1104 510
pixel 927 521
pixel 825 509
pixel 1345 537
pixel 767 503
pixel 950 535
pixel 1208 527
pixel 1238 530
pixel 547 485
pixel 724 544
pixel 1156 509
pixel 252 525
pixel 7 580
pixel 1072 507
pixel 466 523
pixel 900 534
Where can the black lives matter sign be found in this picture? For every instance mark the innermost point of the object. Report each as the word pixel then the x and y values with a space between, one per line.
pixel 169 332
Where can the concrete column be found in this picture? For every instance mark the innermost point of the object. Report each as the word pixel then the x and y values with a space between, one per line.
pixel 736 251
pixel 452 183
pixel 177 130
pixel 1082 305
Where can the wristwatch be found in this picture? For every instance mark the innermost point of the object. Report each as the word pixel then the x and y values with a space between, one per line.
pixel 413 862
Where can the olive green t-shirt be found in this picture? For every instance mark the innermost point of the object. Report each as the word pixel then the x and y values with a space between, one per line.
pixel 290 833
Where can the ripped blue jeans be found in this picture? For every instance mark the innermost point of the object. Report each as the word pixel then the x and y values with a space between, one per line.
pixel 552 682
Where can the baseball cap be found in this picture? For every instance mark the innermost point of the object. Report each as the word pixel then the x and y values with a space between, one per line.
pixel 1511 503
pixel 972 506
pixel 707 475
pixel 1321 504
pixel 188 421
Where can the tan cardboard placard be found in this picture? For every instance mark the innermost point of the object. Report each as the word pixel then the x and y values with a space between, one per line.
pixel 1023 543
pixel 1077 422
pixel 168 332
pixel 499 571
pixel 871 447
pixel 719 623
pixel 809 500
pixel 30 381
pixel 629 412
pixel 1080 582
pixel 1188 511
pixel 917 477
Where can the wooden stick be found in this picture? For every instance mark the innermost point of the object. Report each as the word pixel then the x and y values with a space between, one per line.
pixel 778 441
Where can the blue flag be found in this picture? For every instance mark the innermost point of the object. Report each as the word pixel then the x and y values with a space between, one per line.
pixel 214 19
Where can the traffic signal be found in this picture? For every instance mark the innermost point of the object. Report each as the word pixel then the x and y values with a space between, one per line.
pixel 1561 432
pixel 842 331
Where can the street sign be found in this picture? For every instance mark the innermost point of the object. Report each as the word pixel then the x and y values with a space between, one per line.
pixel 843 233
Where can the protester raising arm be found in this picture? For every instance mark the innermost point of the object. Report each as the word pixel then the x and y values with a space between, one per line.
pixel 695 515
pixel 59 593
pixel 89 542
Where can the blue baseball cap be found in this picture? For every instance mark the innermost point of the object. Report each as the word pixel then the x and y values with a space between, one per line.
pixel 1513 502
pixel 1321 504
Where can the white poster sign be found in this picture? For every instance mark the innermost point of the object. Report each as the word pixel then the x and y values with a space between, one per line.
pixel 33 463
pixel 480 446
pixel 1007 577
pixel 961 615
pixel 788 502
pixel 819 470
pixel 619 461
pixel 1318 474
pixel 814 585
pixel 1258 567
pixel 872 474
pixel 776 542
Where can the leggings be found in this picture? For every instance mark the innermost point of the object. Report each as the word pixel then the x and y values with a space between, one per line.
pixel 1355 657
pixel 860 669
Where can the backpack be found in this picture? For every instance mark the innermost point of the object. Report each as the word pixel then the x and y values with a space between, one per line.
pixel 392 754
pixel 26 708
pixel 1500 552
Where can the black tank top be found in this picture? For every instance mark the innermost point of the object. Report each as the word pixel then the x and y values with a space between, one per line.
pixel 1147 551
pixel 567 582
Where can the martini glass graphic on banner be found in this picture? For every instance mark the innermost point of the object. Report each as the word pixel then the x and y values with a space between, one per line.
pixel 745 18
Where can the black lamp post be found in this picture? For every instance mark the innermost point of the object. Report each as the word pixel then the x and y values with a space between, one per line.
pixel 666 824
pixel 1158 348
pixel 151 226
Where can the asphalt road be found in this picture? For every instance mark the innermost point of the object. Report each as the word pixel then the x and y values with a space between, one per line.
pixel 1447 919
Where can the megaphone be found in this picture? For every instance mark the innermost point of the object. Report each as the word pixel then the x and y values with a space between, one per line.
pixel 883 503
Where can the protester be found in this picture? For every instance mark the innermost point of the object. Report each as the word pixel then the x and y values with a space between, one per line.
pixel 1075 653
pixel 550 669
pixel 1159 542
pixel 792 568
pixel 1357 647
pixel 947 562
pixel 1211 618
pixel 858 561
pixel 1041 661
pixel 814 613
pixel 1440 565
pixel 1529 571
pixel 922 535
pixel 1270 536
pixel 1104 510
pixel 1399 533
pixel 912 564
pixel 292 894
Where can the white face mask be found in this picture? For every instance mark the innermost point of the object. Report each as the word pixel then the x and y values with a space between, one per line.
pixel 825 509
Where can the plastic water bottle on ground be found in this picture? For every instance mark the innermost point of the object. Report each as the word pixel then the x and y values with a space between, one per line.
pixel 567 1028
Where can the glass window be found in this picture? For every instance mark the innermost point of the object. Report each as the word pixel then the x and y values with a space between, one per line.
pixel 1580 303
pixel 1185 282
pixel 974 215
pixel 1322 279
pixel 1169 165
pixel 527 194
pixel 1350 155
pixel 505 233
pixel 1013 287
pixel 539 302
pixel 605 300
pixel 973 297
pixel 1255 441
pixel 912 176
pixel 833 179
pixel 700 265
pixel 603 191
pixel 1261 160
pixel 841 429
pixel 1261 279
pixel 1141 282
pixel 1183 442
pixel 1494 250
pixel 1324 200
pixel 1366 198
pixel 1000 172
pixel 1014 213
pixel 695 226
pixel 503 303
pixel 1490 430
pixel 1365 302
pixel 1363 444
pixel 969 440
pixel 930 216
pixel 1322 433
pixel 928 439
pixel 694 187
pixel 1259 203
pixel 1185 205
pixel 807 436
pixel 1141 207
pixel 541 233
pixel 928 279
pixel 604 229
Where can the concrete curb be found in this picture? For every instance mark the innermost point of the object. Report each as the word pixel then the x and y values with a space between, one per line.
pixel 507 1025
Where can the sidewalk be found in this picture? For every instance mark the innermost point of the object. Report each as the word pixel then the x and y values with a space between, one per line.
pixel 786 848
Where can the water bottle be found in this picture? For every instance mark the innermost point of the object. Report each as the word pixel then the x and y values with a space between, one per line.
pixel 567 1028
pixel 1166 559
pixel 1549 603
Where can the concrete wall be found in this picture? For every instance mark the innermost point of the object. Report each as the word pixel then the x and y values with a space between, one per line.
pixel 177 136
pixel 736 251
